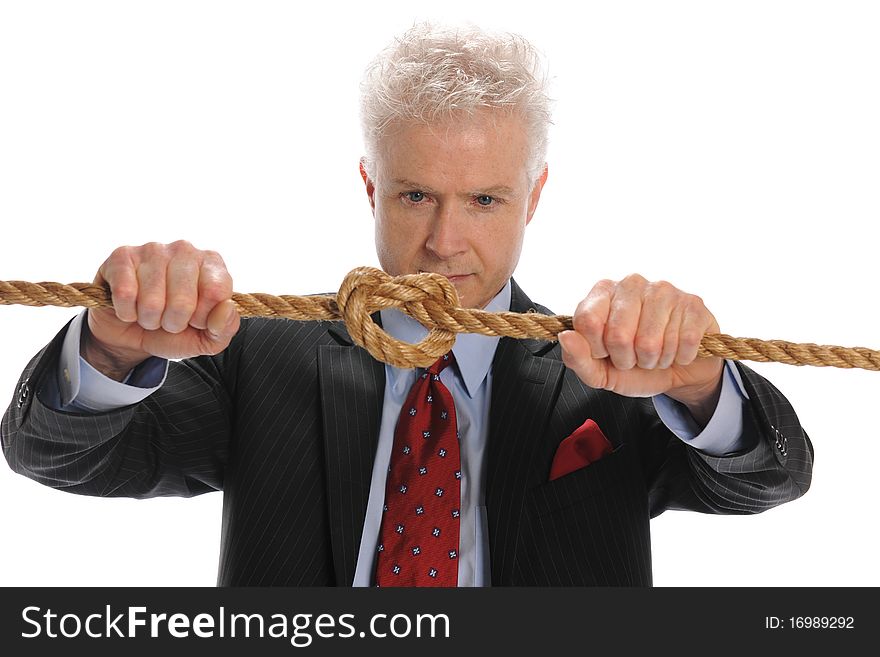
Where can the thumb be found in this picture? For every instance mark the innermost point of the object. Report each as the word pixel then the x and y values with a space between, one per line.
pixel 223 322
pixel 578 357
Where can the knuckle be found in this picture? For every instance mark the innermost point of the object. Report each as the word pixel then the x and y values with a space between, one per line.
pixel 587 323
pixel 634 280
pixel 616 337
pixel 214 292
pixel 124 291
pixel 214 275
pixel 662 289
pixel 602 287
pixel 690 338
pixel 648 346
pixel 695 302
pixel 180 246
pixel 153 251
pixel 120 253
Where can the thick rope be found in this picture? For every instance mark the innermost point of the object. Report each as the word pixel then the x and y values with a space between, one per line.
pixel 432 300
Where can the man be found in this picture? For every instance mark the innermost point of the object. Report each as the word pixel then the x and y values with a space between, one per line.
pixel 554 458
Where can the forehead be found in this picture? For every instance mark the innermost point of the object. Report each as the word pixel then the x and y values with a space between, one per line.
pixel 488 148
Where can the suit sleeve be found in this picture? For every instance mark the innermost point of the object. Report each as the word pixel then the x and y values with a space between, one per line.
pixel 174 443
pixel 776 469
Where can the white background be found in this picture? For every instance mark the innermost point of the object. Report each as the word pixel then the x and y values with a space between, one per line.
pixel 730 148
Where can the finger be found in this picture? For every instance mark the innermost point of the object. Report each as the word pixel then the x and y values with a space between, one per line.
pixel 670 339
pixel 151 290
pixel 591 315
pixel 215 286
pixel 181 291
pixel 223 321
pixel 695 320
pixel 118 271
pixel 623 321
pixel 578 357
pixel 657 305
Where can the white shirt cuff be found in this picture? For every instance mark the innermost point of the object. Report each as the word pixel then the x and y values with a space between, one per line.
pixel 85 388
pixel 723 433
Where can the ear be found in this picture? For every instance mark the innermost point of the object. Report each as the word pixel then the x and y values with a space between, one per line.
pixel 371 188
pixel 535 194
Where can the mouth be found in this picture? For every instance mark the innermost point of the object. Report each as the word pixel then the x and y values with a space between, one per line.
pixel 453 278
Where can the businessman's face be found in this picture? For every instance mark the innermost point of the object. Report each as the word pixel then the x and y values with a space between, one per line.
pixel 454 198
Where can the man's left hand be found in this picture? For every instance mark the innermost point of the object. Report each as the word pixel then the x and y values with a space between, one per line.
pixel 639 338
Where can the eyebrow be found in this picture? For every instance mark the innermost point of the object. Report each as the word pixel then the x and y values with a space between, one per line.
pixel 502 190
pixel 403 182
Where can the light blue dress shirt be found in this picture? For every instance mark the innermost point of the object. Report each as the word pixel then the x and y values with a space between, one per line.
pixel 470 383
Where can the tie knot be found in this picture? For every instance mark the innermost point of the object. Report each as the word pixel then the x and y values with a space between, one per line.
pixel 442 363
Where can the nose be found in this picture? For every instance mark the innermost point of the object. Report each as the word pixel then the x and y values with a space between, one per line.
pixel 446 237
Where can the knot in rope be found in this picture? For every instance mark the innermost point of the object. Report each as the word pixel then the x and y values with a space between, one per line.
pixel 365 290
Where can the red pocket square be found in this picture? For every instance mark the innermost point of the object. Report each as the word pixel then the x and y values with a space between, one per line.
pixel 586 445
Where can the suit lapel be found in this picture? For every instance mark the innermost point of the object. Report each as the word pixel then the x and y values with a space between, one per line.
pixel 352 387
pixel 525 388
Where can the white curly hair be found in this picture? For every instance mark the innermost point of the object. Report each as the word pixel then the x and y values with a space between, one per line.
pixel 432 73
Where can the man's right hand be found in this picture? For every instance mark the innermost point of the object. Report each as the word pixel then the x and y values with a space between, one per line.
pixel 169 300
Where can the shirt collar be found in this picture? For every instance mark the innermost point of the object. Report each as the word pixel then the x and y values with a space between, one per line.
pixel 473 352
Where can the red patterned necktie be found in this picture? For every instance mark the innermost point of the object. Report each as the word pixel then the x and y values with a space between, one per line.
pixel 418 540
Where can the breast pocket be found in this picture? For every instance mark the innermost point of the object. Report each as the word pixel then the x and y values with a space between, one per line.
pixel 596 479
pixel 588 528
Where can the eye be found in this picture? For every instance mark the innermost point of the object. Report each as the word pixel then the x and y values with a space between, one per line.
pixel 415 197
pixel 485 200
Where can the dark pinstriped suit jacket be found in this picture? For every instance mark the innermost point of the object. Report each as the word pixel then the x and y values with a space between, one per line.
pixel 286 422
